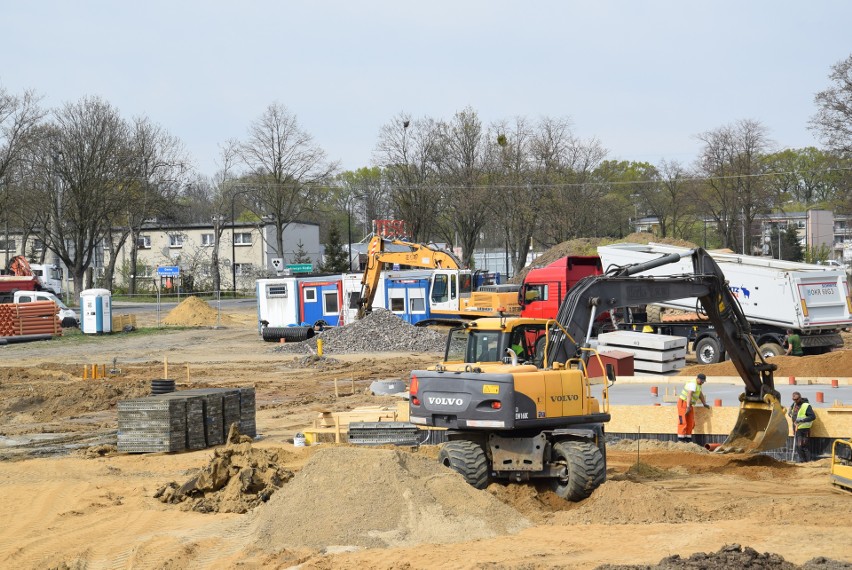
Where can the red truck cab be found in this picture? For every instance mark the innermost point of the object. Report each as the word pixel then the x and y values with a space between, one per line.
pixel 545 287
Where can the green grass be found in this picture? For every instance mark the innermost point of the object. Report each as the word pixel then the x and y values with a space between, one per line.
pixel 75 336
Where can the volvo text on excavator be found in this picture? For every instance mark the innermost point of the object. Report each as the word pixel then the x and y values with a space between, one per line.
pixel 517 400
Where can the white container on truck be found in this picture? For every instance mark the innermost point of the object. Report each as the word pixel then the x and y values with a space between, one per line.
pixel 775 295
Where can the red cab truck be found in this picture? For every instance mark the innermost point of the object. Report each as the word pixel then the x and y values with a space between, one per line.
pixel 545 287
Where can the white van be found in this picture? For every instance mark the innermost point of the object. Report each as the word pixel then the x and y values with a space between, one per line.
pixel 67 316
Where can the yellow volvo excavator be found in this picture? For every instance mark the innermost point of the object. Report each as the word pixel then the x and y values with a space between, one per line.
pixel 451 289
pixel 517 401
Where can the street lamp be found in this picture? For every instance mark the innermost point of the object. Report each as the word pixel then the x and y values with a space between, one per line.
pixel 233 242
pixel 349 225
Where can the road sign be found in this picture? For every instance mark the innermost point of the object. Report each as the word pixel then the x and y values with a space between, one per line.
pixel 300 267
pixel 168 271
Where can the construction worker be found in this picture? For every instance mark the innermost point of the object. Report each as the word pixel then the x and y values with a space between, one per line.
pixel 794 344
pixel 689 397
pixel 803 416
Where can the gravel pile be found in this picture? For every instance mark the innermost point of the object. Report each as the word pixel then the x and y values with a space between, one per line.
pixel 380 331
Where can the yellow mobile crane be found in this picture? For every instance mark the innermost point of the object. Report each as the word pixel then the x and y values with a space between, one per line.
pixel 452 296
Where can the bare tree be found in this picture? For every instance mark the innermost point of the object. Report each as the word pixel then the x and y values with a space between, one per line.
pixel 159 169
pixel 565 166
pixel 20 115
pixel 515 206
pixel 833 120
pixel 92 158
pixel 734 193
pixel 406 152
pixel 288 172
pixel 462 162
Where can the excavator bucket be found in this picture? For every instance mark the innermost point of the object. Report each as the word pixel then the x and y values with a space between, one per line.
pixel 760 426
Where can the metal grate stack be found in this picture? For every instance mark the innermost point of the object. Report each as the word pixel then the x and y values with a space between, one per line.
pixel 248 425
pixel 205 414
pixel 149 425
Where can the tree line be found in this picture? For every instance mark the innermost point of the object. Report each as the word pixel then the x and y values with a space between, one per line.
pixel 82 176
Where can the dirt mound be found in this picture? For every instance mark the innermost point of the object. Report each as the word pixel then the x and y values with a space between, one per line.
pixel 836 364
pixel 589 246
pixel 380 331
pixel 655 445
pixel 193 312
pixel 238 478
pixel 626 502
pixel 378 498
pixel 732 556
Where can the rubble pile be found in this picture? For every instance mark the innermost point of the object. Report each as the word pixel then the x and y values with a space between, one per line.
pixel 380 331
pixel 238 478
pixel 731 556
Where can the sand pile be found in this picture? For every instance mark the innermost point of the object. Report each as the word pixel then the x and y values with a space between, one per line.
pixel 346 496
pixel 626 502
pixel 193 312
pixel 238 478
pixel 837 364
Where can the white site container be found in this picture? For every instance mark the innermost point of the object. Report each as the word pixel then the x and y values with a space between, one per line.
pixel 96 311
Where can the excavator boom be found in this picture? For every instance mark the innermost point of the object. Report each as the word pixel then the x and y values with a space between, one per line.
pixel 761 423
pixel 417 255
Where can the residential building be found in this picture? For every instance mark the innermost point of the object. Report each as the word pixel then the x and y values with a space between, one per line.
pixel 249 246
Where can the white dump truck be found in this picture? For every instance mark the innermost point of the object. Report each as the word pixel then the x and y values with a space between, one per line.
pixel 775 295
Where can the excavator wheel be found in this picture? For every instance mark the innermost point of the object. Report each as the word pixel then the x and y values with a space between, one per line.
pixel 584 467
pixel 468 459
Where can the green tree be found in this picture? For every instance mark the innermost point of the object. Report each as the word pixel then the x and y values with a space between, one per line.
pixel 300 255
pixel 790 248
pixel 336 258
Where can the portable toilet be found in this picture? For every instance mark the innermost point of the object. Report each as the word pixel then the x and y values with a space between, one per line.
pixel 96 311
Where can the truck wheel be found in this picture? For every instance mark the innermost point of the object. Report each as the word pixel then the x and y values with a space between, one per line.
pixel 708 351
pixel 770 349
pixel 468 459
pixel 584 469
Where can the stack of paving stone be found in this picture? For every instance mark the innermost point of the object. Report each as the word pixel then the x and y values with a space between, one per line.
pixel 186 419
pixel 152 424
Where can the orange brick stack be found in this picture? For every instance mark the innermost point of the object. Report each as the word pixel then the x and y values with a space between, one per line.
pixel 30 318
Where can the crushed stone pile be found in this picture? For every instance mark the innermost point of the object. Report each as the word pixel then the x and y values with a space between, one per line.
pixel 380 331
pixel 193 312
pixel 732 556
pixel 238 478
pixel 374 498
pixel 837 364
pixel 589 246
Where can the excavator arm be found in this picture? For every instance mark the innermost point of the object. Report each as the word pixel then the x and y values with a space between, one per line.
pixel 19 266
pixel 417 255
pixel 761 424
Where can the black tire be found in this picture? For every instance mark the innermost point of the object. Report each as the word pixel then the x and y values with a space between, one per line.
pixel 770 349
pixel 708 351
pixel 69 323
pixel 584 468
pixel 467 459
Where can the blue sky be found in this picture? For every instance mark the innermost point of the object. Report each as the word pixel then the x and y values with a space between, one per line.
pixel 643 77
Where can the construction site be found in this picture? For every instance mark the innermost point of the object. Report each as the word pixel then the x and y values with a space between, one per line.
pixel 289 486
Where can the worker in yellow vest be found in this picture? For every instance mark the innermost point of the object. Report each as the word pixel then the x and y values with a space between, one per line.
pixel 689 397
pixel 803 416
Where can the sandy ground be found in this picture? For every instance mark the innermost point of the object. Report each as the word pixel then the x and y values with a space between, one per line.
pixel 67 506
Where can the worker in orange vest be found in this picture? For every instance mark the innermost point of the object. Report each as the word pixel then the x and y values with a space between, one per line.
pixel 689 397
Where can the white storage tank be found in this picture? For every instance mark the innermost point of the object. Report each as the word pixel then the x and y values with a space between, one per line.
pixel 96 311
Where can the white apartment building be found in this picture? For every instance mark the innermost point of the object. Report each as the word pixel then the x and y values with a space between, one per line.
pixel 246 251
